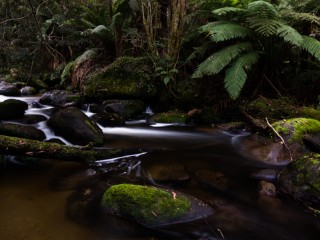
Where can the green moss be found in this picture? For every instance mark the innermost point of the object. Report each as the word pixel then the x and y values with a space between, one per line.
pixel 309 113
pixel 146 205
pixel 67 72
pixel 170 117
pixel 126 77
pixel 296 128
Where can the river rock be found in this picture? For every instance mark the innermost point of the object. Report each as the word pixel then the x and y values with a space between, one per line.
pixel 169 117
pixel 12 108
pixel 214 179
pixel 128 109
pixel 301 179
pixel 22 131
pixel 73 125
pixel 61 99
pixel 8 89
pixel 27 91
pixel 151 206
pixel 268 175
pixel 107 119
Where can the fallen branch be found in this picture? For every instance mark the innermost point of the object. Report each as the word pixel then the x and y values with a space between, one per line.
pixel 281 138
pixel 27 147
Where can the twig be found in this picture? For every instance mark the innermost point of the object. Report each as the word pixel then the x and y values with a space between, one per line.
pixel 284 143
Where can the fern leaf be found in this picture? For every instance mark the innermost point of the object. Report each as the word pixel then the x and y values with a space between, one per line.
pixel 312 46
pixel 290 35
pixel 300 17
pixel 228 10
pixel 206 28
pixel 264 26
pixel 236 75
pixel 227 31
pixel 219 60
pixel 134 5
pixel 262 9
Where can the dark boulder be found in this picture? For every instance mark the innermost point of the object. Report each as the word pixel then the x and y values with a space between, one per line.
pixel 7 89
pixel 107 119
pixel 61 99
pixel 12 108
pixel 73 125
pixel 126 108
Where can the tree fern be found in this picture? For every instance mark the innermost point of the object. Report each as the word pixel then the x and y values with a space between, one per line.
pixel 228 10
pixel 227 31
pixel 312 46
pixel 236 75
pixel 219 60
pixel 300 17
pixel 264 26
pixel 290 35
pixel 262 9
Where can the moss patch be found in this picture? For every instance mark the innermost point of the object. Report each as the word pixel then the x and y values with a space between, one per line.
pixel 296 128
pixel 170 117
pixel 146 205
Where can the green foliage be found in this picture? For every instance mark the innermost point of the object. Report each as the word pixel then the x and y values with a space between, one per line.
pixel 254 32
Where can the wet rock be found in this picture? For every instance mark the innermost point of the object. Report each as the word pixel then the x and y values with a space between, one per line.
pixel 301 179
pixel 267 189
pixel 73 125
pixel 107 119
pixel 128 109
pixel 214 179
pixel 61 99
pixel 8 89
pixel 167 173
pixel 12 108
pixel 22 131
pixel 268 175
pixel 27 91
pixel 152 207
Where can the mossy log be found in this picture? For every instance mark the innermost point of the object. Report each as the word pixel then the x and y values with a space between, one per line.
pixel 27 147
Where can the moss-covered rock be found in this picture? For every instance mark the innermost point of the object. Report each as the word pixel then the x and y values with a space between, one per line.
pixel 72 124
pixel 8 89
pixel 169 117
pixel 12 108
pixel 301 179
pixel 295 129
pixel 125 78
pixel 23 131
pixel 146 205
pixel 152 206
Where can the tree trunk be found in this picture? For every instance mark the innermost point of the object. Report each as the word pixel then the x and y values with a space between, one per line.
pixel 27 147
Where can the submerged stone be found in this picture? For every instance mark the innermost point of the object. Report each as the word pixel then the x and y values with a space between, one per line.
pixel 151 206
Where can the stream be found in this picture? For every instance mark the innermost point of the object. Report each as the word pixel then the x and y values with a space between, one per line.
pixel 201 161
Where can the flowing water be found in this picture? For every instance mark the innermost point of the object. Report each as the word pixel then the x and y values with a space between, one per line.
pixel 205 163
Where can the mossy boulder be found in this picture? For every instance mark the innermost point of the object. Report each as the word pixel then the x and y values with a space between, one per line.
pixel 12 108
pixel 152 206
pixel 295 129
pixel 108 119
pixel 125 78
pixel 301 179
pixel 73 125
pixel 22 131
pixel 169 117
pixel 8 89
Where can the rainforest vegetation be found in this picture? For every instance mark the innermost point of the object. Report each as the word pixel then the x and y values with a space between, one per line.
pixel 213 53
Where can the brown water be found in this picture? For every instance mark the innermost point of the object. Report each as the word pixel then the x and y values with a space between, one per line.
pixel 32 208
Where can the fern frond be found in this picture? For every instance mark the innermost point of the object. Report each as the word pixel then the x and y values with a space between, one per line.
pixel 262 10
pixel 300 17
pixel 227 31
pixel 219 60
pixel 206 28
pixel 228 10
pixel 236 75
pixel 290 35
pixel 312 46
pixel 134 5
pixel 264 26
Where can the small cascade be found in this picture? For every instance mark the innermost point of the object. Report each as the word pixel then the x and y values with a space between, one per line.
pixel 149 111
